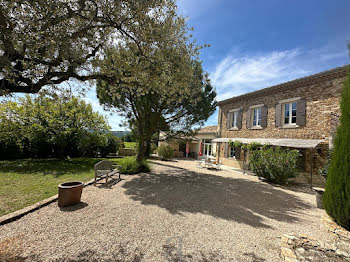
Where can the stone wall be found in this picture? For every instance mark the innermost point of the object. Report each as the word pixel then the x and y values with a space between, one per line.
pixel 299 248
pixel 322 100
pixel 342 242
pixel 322 97
pixel 302 248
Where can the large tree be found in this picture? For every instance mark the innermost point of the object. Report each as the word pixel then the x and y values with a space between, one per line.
pixel 163 88
pixel 47 42
pixel 51 124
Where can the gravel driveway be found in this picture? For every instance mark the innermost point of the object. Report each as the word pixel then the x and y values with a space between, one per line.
pixel 175 213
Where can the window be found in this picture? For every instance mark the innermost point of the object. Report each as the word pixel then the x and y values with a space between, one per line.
pixel 256 116
pixel 208 147
pixel 290 113
pixel 232 152
pixel 234 119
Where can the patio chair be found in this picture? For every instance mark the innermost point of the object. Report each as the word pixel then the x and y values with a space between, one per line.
pixel 200 162
pixel 105 168
pixel 208 163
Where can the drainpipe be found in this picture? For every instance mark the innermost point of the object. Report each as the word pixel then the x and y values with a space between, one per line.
pixel 219 134
pixel 311 166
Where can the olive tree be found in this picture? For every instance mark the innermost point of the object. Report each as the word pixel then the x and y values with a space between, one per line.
pixel 162 88
pixel 47 42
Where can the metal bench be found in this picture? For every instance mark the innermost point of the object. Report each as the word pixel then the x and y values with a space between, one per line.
pixel 105 168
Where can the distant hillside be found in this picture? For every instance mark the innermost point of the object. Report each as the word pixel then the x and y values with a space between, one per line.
pixel 120 133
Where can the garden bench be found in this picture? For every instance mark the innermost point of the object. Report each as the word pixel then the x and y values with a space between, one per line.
pixel 105 168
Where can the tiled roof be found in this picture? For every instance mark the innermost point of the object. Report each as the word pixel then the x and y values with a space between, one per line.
pixel 308 80
pixel 208 129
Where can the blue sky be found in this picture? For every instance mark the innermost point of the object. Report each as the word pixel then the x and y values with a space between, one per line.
pixel 256 44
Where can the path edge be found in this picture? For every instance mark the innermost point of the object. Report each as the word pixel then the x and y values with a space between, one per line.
pixel 8 218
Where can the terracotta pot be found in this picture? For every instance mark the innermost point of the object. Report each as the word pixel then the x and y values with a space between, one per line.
pixel 69 193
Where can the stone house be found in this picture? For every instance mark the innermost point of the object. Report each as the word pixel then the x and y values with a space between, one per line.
pixel 203 138
pixel 300 114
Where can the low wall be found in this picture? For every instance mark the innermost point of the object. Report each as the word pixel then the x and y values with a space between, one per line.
pixel 231 162
pixel 301 248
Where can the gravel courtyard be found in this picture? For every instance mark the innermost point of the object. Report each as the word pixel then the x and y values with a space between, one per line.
pixel 176 213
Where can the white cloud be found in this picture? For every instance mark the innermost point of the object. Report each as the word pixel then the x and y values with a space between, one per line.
pixel 237 74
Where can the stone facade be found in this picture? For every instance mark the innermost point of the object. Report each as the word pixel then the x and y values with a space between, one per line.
pixel 207 133
pixel 321 95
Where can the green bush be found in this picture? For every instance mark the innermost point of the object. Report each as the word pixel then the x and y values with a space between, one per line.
pixel 165 152
pixel 52 125
pixel 112 145
pixel 153 148
pixel 336 199
pixel 129 165
pixel 274 164
pixel 325 168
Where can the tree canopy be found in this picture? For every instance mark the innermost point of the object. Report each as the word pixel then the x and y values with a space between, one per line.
pixel 52 124
pixel 48 42
pixel 163 88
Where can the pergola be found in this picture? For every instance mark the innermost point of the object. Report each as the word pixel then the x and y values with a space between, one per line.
pixel 282 142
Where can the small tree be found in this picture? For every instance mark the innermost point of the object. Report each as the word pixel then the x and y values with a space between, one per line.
pixel 336 199
pixel 165 151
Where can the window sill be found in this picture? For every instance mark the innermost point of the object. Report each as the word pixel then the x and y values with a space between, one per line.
pixel 289 126
pixel 233 129
pixel 256 128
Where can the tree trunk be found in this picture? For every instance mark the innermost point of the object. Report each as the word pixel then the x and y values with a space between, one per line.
pixel 148 149
pixel 141 152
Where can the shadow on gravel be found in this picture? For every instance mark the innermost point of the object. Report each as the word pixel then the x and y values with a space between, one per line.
pixel 120 253
pixel 93 256
pixel 109 185
pixel 171 254
pixel 179 190
pixel 76 207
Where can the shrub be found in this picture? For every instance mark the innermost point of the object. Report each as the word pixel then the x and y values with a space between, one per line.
pixel 153 148
pixel 336 199
pixel 129 165
pixel 112 145
pixel 324 170
pixel 274 164
pixel 165 152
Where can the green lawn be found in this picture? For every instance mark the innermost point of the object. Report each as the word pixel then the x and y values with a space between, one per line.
pixel 25 182
pixel 130 145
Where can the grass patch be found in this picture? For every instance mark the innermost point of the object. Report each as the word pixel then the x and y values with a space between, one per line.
pixel 130 145
pixel 27 181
